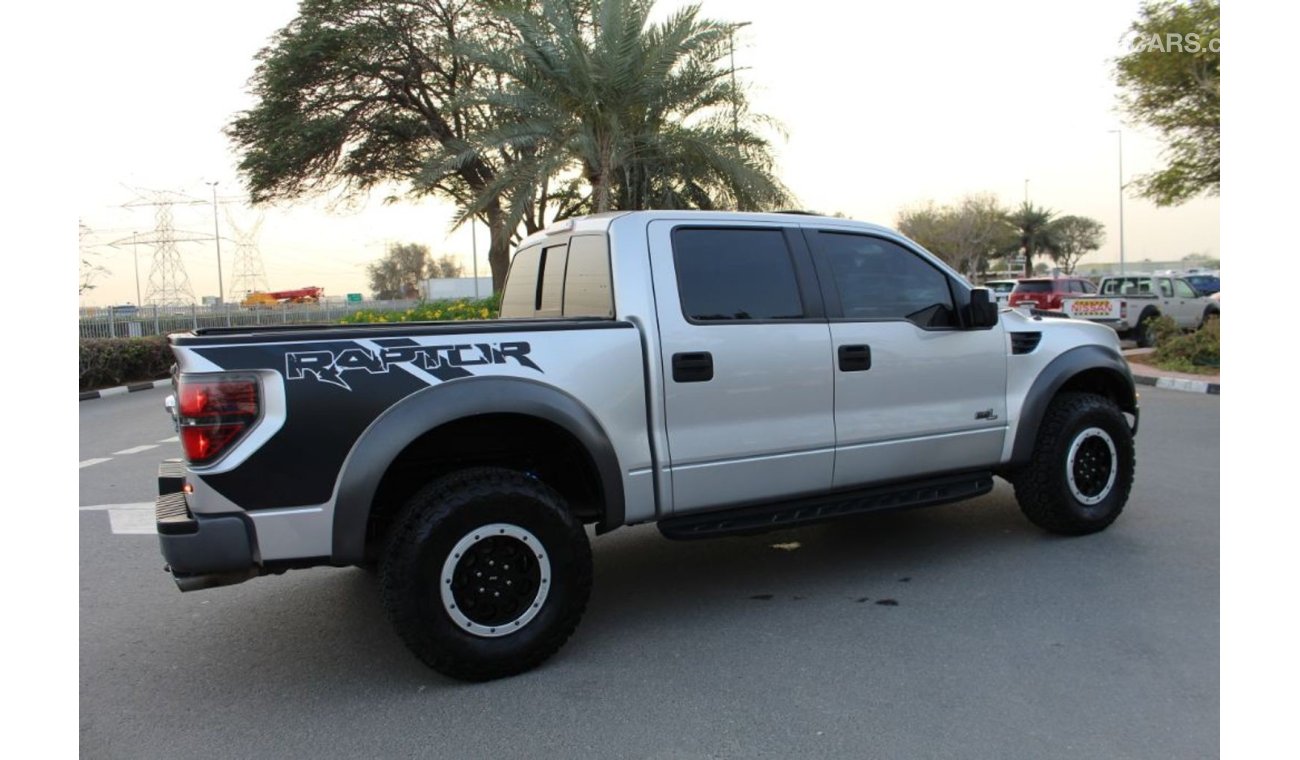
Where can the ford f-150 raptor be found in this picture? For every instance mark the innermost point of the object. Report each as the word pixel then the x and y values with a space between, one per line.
pixel 714 373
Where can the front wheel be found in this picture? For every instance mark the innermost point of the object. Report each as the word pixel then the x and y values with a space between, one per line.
pixel 1081 470
pixel 486 574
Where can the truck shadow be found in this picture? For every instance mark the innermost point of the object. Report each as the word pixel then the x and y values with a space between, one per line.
pixel 325 631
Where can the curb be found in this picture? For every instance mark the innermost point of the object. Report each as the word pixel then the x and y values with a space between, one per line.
pixel 121 389
pixel 1178 384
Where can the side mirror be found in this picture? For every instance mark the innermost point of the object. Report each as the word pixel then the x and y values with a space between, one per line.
pixel 983 310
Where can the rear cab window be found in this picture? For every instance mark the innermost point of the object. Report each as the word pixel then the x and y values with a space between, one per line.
pixel 560 277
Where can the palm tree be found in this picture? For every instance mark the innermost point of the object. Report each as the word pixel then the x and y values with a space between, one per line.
pixel 1035 234
pixel 639 113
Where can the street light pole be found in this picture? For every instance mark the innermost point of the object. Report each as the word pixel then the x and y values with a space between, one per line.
pixel 135 254
pixel 1120 138
pixel 216 231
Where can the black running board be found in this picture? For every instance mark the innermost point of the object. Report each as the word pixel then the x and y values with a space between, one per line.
pixel 774 516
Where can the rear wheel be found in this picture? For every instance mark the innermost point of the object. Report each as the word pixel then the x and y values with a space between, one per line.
pixel 486 574
pixel 1144 333
pixel 1082 467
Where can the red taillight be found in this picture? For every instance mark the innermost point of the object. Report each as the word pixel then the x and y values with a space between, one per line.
pixel 207 398
pixel 214 412
pixel 1054 302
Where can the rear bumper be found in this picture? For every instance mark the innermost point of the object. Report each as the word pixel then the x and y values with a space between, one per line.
pixel 202 551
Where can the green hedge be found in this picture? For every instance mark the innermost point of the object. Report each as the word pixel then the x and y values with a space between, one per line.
pixel 1186 352
pixel 108 362
pixel 433 311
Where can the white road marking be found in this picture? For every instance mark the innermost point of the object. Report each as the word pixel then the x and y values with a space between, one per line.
pixel 136 449
pixel 173 439
pixel 131 505
pixel 136 518
pixel 90 462
pixel 132 521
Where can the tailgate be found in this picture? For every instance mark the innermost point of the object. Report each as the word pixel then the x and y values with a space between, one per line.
pixel 1094 308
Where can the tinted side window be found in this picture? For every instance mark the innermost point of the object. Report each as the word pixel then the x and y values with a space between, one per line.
pixel 735 274
pixel 1183 289
pixel 1087 287
pixel 587 283
pixel 878 279
pixel 520 296
pixel 1166 288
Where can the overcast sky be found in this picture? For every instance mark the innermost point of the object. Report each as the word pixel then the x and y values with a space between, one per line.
pixel 886 105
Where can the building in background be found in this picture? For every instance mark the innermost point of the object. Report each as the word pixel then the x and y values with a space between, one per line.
pixel 439 288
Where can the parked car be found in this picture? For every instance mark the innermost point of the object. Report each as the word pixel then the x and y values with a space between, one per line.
pixel 1048 293
pixel 1205 284
pixel 1001 290
pixel 1130 304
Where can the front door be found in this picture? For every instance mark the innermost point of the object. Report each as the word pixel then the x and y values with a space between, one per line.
pixel 914 392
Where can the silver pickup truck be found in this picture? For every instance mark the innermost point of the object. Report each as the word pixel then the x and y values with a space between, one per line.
pixel 1129 304
pixel 714 373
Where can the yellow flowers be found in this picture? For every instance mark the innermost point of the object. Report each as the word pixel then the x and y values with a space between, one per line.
pixel 459 309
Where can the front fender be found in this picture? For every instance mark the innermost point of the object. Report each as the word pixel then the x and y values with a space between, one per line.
pixel 1056 375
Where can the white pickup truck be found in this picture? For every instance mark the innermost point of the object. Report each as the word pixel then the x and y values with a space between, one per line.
pixel 714 373
pixel 1129 304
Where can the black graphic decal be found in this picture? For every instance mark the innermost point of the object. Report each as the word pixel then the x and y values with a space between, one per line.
pixel 444 362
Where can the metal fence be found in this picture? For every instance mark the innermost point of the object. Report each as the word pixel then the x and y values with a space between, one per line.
pixel 119 322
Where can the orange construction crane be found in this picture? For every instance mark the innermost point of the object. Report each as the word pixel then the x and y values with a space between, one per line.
pixel 259 299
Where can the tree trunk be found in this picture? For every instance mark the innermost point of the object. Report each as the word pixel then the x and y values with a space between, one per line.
pixel 498 246
pixel 1029 261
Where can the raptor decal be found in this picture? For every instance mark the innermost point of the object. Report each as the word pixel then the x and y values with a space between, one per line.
pixel 330 366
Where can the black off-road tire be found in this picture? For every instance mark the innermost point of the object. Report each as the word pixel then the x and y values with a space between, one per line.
pixel 1044 488
pixel 420 548
pixel 1144 333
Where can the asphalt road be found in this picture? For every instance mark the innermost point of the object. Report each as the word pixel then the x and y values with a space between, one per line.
pixel 955 632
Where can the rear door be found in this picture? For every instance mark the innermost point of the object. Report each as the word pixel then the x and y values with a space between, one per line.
pixel 746 359
pixel 915 393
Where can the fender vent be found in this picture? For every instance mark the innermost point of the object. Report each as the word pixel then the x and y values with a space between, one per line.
pixel 1025 342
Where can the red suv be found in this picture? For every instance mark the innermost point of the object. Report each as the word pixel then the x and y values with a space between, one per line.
pixel 1045 292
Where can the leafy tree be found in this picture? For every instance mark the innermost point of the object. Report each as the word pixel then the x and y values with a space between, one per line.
pixel 1034 234
pixel 446 267
pixel 1170 82
pixel 353 95
pixel 966 235
pixel 1075 236
pixel 618 112
pixel 929 226
pixel 399 273
pixel 980 232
